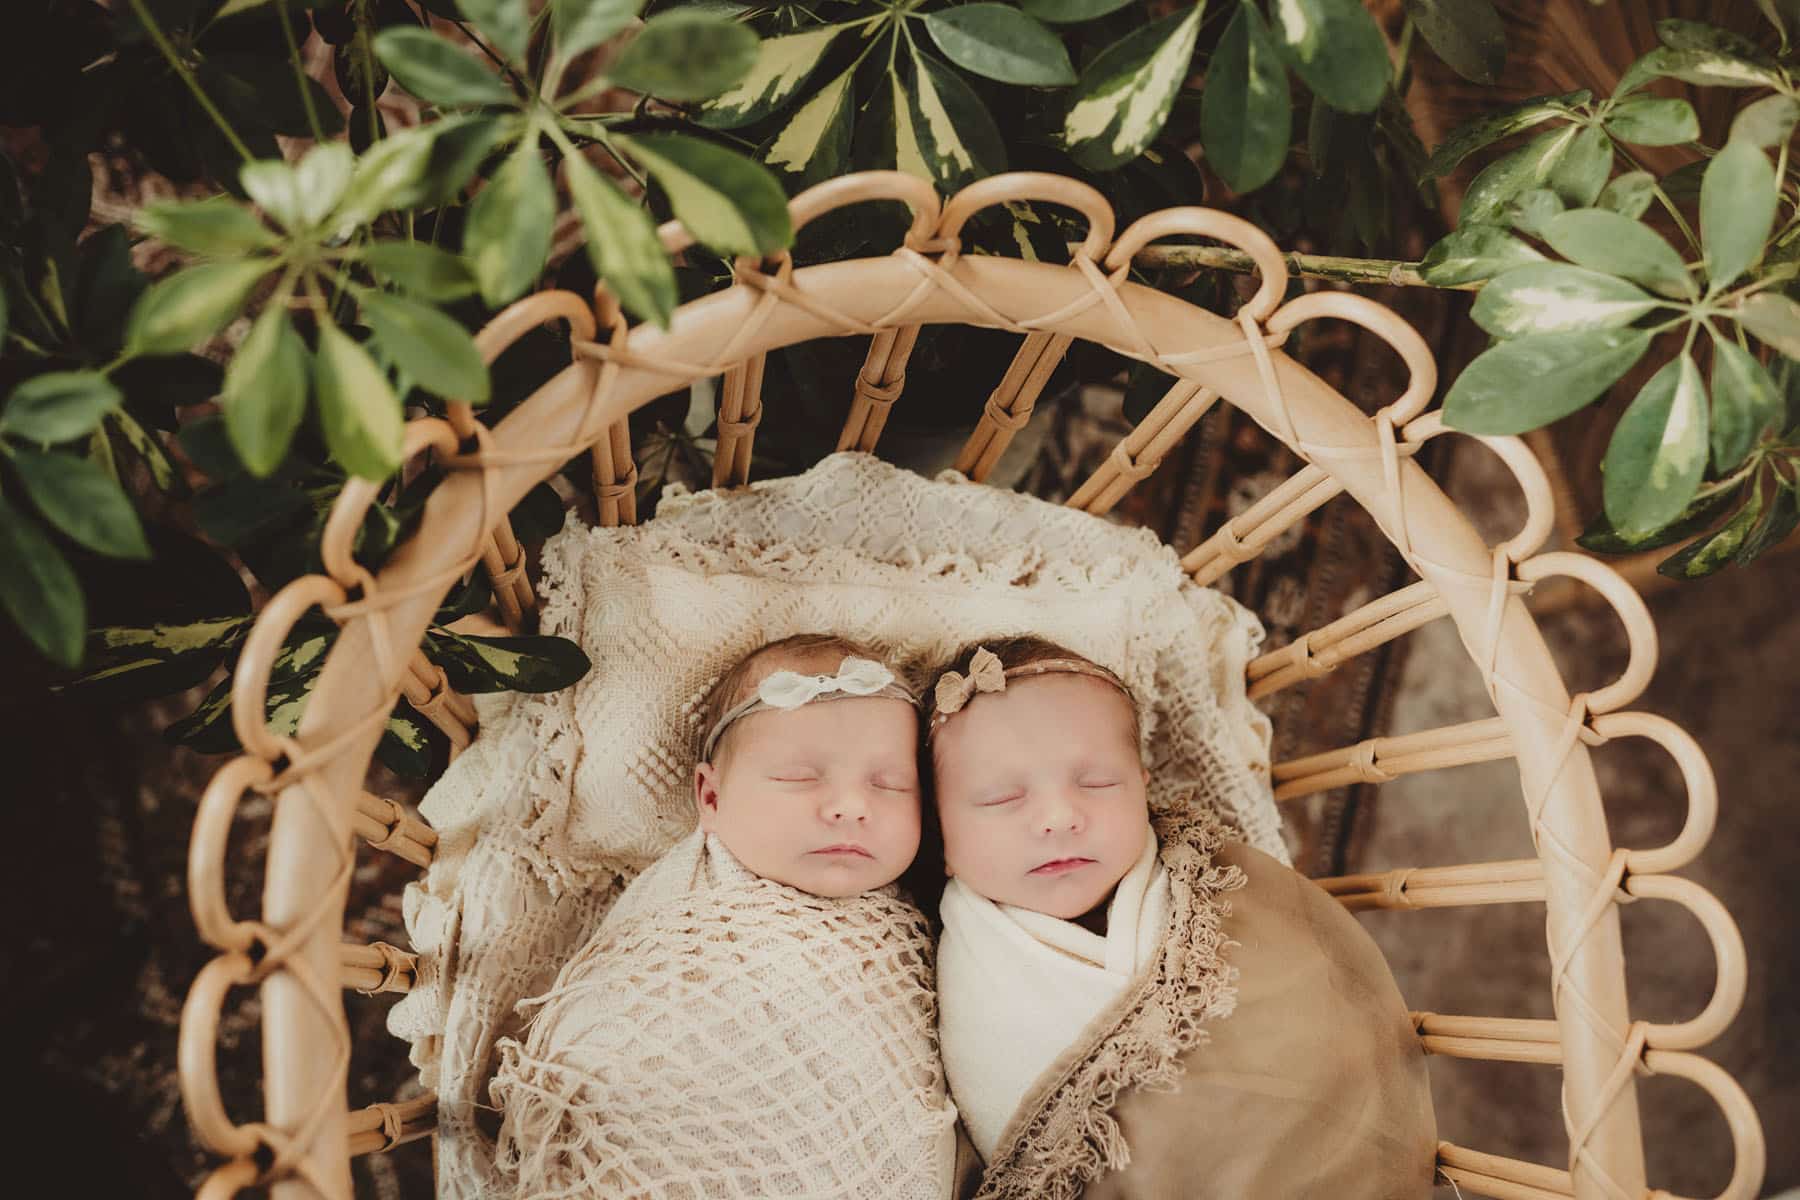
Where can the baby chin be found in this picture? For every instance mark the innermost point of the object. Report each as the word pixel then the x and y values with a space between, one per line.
pixel 837 871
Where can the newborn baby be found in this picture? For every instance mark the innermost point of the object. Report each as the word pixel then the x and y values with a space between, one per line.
pixel 755 1016
pixel 1125 1014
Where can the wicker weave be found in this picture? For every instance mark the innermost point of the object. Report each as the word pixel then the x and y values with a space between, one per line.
pixel 293 952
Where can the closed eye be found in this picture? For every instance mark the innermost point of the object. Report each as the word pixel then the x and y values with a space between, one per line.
pixel 883 785
pixel 999 800
pixel 1094 784
pixel 793 778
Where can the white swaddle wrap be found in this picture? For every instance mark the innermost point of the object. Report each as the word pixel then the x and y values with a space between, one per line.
pixel 723 1035
pixel 1016 987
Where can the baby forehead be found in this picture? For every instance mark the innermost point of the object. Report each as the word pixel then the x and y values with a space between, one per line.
pixel 844 728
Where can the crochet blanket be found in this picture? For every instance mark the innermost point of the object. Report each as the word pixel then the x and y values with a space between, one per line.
pixel 722 1035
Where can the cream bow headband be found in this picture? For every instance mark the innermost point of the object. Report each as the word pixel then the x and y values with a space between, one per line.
pixel 856 677
pixel 986 674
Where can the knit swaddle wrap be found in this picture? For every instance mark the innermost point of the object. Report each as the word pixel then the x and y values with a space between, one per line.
pixel 723 1035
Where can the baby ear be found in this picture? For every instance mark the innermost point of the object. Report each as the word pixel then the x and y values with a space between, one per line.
pixel 706 794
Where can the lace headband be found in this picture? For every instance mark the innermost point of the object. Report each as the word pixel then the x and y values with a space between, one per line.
pixel 856 678
pixel 986 674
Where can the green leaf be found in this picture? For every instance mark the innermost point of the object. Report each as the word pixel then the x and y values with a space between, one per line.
pixel 1246 118
pixel 1531 211
pixel 1768 123
pixel 726 201
pixel 814 145
pixel 1581 170
pixel 83 501
pixel 507 23
pixel 517 664
pixel 364 425
pixel 420 268
pixel 1525 383
pixel 405 746
pixel 273 186
pixel 583 24
pixel 1467 34
pixel 1745 402
pixel 59 406
pixel 1069 12
pixel 1715 551
pixel 1783 514
pixel 435 71
pixel 1520 170
pixel 385 174
pixel 1465 139
pixel 148 449
pixel 1336 47
pixel 135 663
pixel 192 305
pixel 1000 42
pixel 321 178
pixel 265 391
pixel 1657 456
pixel 1703 67
pixel 1679 34
pixel 217 225
pixel 1628 194
pixel 1602 538
pixel 1775 319
pixel 1737 206
pixel 950 131
pixel 1556 298
pixel 782 65
pixel 507 235
pixel 1606 241
pixel 1650 121
pixel 429 346
pixel 1124 95
pixel 686 55
pixel 39 590
pixel 622 244
pixel 1473 253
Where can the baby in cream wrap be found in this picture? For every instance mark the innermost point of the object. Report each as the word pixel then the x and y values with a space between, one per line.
pixel 1137 1006
pixel 755 1015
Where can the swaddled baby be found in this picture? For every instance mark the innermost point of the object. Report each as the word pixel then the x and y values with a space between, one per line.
pixel 1138 1008
pixel 755 1016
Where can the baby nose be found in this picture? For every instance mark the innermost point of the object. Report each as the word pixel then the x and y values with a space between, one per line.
pixel 846 806
pixel 1059 815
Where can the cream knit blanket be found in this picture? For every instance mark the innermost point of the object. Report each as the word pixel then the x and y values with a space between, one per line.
pixel 1016 987
pixel 722 1035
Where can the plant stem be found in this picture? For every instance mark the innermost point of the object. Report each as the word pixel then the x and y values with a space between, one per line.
pixel 1312 266
pixel 193 85
pixel 1661 196
pixel 300 79
pixel 485 49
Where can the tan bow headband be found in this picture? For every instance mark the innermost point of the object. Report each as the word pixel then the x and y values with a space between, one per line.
pixel 986 674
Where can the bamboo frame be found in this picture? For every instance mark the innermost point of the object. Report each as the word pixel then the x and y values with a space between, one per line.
pixel 293 952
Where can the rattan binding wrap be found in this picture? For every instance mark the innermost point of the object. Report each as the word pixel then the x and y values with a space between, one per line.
pixel 293 952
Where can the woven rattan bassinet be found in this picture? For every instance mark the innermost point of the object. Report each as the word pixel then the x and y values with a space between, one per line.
pixel 295 954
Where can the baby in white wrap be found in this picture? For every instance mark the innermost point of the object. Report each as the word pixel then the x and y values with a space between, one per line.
pixel 755 1016
pixel 1133 1005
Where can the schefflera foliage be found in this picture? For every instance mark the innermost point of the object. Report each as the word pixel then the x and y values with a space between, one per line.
pixel 350 279
pixel 1570 238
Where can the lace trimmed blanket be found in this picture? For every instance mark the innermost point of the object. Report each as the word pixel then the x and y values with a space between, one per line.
pixel 722 1035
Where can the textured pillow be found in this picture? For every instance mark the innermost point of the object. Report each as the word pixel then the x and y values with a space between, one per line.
pixel 565 796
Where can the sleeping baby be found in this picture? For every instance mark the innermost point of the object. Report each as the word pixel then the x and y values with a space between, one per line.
pixel 1133 1007
pixel 755 1016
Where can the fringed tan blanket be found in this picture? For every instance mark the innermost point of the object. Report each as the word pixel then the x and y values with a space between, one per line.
pixel 1263 1051
pixel 722 1035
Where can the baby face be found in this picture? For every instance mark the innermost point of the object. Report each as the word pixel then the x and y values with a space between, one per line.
pixel 823 797
pixel 1041 793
